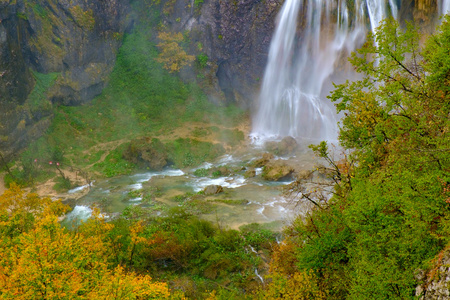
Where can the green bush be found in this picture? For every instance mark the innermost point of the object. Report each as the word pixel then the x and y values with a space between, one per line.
pixel 201 172
pixel 202 60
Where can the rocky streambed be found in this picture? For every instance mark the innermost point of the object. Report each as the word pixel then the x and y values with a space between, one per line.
pixel 247 186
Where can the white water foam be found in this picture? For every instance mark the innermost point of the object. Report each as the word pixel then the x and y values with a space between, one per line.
pixel 259 276
pixel 144 177
pixel 230 182
pixel 79 213
pixel 205 165
pixel 79 189
pixel 137 199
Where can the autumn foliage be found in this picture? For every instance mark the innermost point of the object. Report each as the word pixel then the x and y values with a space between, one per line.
pixel 285 281
pixel 39 259
pixel 172 55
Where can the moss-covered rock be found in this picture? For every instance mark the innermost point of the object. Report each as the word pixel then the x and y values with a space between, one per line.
pixel 213 190
pixel 287 146
pixel 264 160
pixel 147 153
pixel 277 170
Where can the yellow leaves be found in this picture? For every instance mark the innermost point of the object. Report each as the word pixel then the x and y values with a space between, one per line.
pixel 300 285
pixel 118 284
pixel 18 211
pixel 286 281
pixel 46 261
pixel 135 230
pixel 172 55
pixel 283 259
pixel 15 202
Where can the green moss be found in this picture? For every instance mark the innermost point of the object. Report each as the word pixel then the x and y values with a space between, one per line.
pixel 39 10
pixel 232 136
pixel 37 99
pixel 44 40
pixel 201 172
pixel 231 201
pixel 114 164
pixel 202 60
pixel 190 152
pixel 22 16
pixel 62 184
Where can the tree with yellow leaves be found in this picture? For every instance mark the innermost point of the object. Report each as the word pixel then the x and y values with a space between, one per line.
pixel 172 55
pixel 39 259
pixel 285 281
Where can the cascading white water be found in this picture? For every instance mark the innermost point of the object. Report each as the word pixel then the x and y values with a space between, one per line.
pixel 292 99
pixel 377 11
pixel 444 7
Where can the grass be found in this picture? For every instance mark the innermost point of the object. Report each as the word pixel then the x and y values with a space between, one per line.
pixel 202 172
pixel 190 152
pixel 114 164
pixel 231 201
pixel 37 99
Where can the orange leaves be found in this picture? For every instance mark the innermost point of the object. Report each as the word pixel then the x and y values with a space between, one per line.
pixel 283 259
pixel 166 246
pixel 172 55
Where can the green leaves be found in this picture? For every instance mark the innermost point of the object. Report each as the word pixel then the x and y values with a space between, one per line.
pixel 391 216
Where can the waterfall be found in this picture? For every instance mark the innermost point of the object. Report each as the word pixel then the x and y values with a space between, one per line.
pixel 444 7
pixel 376 10
pixel 293 98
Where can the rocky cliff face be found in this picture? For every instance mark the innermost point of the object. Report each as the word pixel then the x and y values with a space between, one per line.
pixel 75 43
pixel 436 281
pixel 235 35
pixel 76 39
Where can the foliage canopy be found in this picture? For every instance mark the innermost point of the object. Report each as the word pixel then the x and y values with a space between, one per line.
pixel 39 259
pixel 389 215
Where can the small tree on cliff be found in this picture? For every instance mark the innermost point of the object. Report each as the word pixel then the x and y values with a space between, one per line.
pixel 172 55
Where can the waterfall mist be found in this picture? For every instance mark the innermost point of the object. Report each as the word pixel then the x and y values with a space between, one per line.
pixel 293 98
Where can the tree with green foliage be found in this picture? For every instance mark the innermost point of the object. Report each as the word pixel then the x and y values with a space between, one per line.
pixel 389 214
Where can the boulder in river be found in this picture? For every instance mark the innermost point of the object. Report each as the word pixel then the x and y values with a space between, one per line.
pixel 261 162
pixel 250 173
pixel 287 146
pixel 213 189
pixel 147 152
pixel 277 170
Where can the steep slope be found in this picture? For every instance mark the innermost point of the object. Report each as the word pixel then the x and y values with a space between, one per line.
pixel 78 40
